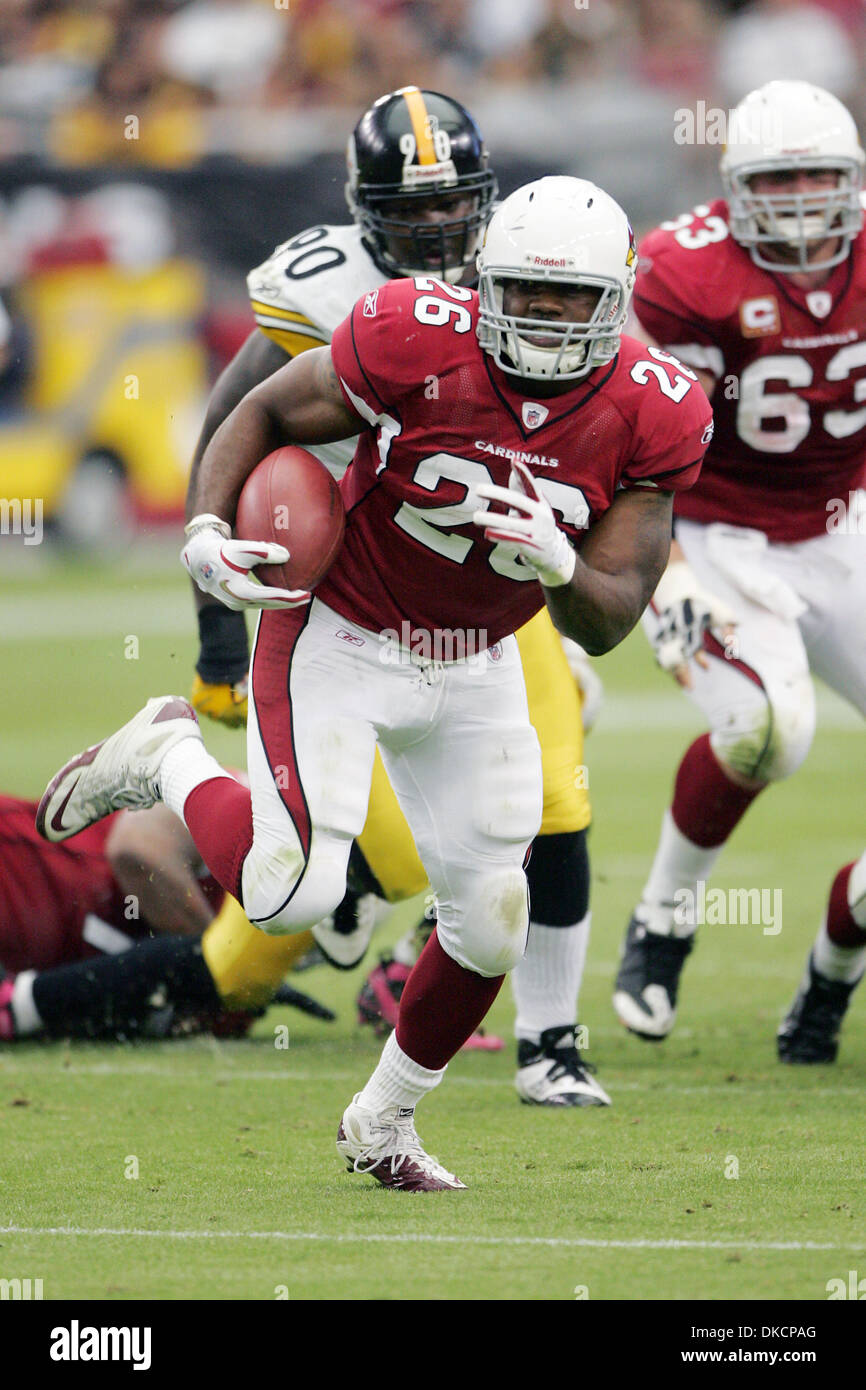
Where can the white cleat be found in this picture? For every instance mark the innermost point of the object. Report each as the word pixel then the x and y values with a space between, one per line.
pixel 648 1015
pixel 122 771
pixel 645 994
pixel 553 1073
pixel 386 1145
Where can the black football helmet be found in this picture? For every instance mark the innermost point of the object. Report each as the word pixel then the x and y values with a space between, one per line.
pixel 419 148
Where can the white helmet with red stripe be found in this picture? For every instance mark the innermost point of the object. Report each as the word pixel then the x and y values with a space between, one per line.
pixel 778 129
pixel 564 230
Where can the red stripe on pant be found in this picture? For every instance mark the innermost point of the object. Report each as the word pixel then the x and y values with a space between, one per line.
pixel 218 813
pixel 714 647
pixel 275 646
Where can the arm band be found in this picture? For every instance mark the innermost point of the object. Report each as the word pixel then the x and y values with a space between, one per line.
pixel 225 653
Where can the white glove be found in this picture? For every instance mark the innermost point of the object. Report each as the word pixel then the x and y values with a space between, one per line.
pixel 222 567
pixel 685 610
pixel 530 526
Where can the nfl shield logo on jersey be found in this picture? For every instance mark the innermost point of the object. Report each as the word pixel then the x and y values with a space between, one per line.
pixel 820 303
pixel 534 415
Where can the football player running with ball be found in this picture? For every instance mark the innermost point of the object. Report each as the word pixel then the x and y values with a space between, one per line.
pixel 449 530
pixel 421 192
pixel 765 296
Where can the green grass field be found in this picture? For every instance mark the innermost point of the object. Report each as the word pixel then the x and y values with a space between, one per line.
pixel 716 1174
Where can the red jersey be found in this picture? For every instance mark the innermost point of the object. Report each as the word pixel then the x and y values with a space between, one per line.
pixel 56 900
pixel 443 419
pixel 790 365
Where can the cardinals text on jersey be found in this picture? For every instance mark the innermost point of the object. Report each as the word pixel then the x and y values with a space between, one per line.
pixel 445 420
pixel 790 364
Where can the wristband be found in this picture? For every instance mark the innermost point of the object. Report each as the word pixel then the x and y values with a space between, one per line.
pixel 225 654
pixel 205 521
pixel 561 567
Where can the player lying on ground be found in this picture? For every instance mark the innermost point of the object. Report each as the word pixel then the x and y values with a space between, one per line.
pixel 447 530
pixel 121 932
pixel 420 192
pixel 765 296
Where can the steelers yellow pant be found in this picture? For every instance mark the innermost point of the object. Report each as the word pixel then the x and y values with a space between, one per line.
pixel 247 965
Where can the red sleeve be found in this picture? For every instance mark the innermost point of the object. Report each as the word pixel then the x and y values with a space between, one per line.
pixel 372 350
pixel 664 296
pixel 688 284
pixel 671 428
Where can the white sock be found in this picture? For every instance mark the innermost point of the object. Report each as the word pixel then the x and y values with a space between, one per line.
pixel 397 1080
pixel 857 892
pixel 676 868
pixel 845 963
pixel 546 981
pixel 25 1015
pixel 185 767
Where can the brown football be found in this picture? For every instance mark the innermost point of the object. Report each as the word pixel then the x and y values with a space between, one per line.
pixel 291 498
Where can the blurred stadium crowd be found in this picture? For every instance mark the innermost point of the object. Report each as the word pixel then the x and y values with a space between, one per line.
pixel 152 151
pixel 200 74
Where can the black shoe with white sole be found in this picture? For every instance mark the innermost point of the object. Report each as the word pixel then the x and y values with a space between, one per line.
pixel 645 994
pixel 810 1031
pixel 552 1072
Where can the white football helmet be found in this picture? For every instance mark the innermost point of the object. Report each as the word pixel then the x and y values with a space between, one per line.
pixel 565 230
pixel 783 126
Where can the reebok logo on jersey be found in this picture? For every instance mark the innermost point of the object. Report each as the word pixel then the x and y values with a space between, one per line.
pixel 370 304
pixel 531 460
pixel 759 317
pixel 534 414
pixel 351 637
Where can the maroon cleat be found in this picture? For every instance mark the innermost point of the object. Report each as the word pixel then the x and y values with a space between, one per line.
pixel 386 1145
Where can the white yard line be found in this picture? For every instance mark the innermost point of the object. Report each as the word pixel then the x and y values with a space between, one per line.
pixel 422 1238
pixel 740 1089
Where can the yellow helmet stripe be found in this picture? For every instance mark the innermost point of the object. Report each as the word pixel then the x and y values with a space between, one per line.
pixel 420 125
